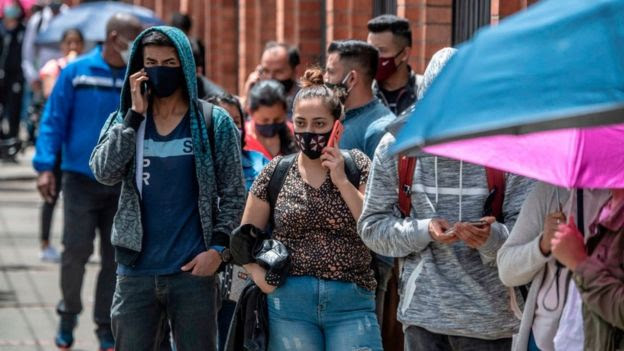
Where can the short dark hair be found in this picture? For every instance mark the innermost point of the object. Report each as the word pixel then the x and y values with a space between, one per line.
pixel 69 31
pixel 399 26
pixel 266 93
pixel 360 53
pixel 156 38
pixel 294 59
pixel 229 99
pixel 181 21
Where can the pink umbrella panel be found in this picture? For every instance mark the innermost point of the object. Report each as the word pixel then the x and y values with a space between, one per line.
pixel 26 4
pixel 571 158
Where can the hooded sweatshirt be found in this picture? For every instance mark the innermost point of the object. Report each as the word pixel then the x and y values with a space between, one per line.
pixel 221 192
pixel 449 289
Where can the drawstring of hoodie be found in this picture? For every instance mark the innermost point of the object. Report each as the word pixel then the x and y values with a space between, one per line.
pixel 435 162
pixel 461 187
pixel 197 115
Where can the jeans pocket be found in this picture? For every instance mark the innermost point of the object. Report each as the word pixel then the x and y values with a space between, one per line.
pixel 363 293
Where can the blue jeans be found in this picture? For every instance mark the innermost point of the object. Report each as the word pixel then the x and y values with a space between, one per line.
pixel 308 313
pixel 142 305
pixel 224 319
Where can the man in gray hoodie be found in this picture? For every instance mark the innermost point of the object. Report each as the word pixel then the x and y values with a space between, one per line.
pixel 451 297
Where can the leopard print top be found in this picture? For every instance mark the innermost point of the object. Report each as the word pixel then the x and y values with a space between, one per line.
pixel 317 226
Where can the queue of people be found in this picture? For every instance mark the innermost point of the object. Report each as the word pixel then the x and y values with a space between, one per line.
pixel 278 222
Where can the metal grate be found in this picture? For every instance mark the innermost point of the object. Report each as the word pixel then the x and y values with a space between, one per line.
pixel 468 17
pixel 382 7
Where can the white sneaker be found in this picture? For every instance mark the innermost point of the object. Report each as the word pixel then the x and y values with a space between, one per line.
pixel 49 254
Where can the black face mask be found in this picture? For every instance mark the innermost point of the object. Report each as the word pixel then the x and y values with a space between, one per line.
pixel 287 84
pixel 269 130
pixel 312 144
pixel 164 81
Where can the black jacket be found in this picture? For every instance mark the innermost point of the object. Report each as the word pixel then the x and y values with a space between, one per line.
pixel 249 330
pixel 407 96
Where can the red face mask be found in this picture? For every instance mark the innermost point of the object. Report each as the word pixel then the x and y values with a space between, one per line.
pixel 386 67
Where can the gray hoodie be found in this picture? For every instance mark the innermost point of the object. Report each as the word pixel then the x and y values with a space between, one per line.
pixel 448 289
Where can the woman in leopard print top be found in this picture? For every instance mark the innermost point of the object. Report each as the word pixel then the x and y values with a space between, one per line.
pixel 328 299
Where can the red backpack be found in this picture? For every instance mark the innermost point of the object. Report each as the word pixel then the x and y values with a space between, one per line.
pixel 496 185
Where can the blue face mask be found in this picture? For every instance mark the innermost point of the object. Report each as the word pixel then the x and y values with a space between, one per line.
pixel 269 130
pixel 164 81
pixel 12 11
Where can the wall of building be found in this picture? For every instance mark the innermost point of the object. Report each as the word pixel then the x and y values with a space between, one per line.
pixel 235 31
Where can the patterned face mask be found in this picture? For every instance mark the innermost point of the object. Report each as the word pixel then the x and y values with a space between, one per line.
pixel 312 144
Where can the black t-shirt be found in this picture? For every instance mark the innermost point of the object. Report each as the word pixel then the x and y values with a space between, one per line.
pixel 391 97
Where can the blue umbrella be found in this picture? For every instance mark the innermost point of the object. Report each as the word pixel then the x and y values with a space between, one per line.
pixel 91 19
pixel 559 64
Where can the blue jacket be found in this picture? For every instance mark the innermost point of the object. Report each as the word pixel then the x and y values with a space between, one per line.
pixel 85 94
pixel 365 126
pixel 253 163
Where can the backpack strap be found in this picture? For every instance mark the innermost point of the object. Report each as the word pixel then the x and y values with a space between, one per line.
pixel 406 168
pixel 496 186
pixel 277 180
pixel 206 109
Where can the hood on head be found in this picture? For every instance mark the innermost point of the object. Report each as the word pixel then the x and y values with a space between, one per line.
pixel 185 53
pixel 438 61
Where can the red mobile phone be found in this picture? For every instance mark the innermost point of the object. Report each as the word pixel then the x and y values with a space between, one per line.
pixel 334 138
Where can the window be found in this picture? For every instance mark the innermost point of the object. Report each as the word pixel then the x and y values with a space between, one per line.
pixel 382 7
pixel 468 17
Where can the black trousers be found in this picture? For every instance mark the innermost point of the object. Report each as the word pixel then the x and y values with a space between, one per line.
pixel 88 207
pixel 417 339
pixel 11 108
pixel 47 208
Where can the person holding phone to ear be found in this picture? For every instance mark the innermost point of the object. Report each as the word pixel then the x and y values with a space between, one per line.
pixel 177 157
pixel 328 299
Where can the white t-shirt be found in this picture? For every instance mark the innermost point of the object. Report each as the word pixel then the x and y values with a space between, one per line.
pixel 549 306
pixel 570 335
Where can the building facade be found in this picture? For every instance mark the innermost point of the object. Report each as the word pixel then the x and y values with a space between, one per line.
pixel 235 31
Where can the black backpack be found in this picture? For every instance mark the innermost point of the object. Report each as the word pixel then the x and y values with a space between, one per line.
pixel 285 163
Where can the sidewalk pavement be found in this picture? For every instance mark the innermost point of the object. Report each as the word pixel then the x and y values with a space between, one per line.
pixel 29 288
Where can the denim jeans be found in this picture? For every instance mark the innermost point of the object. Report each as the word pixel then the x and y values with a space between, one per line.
pixel 417 339
pixel 308 313
pixel 383 272
pixel 142 306
pixel 224 319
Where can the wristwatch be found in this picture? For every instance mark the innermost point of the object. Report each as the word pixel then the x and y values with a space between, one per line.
pixel 226 256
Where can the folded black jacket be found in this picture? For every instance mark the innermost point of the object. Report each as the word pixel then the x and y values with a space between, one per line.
pixel 249 330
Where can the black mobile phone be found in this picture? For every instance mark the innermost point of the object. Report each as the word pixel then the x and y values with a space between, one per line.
pixel 143 88
pixel 478 224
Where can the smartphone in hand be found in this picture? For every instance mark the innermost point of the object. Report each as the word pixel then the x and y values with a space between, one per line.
pixel 478 224
pixel 143 88
pixel 334 138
